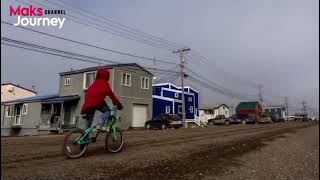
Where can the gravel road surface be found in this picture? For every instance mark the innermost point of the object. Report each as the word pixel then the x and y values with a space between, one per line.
pixel 277 151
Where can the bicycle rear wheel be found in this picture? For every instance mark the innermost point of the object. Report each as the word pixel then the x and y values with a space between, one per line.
pixel 114 140
pixel 72 149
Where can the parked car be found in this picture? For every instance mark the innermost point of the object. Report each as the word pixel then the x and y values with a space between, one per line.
pixel 245 118
pixel 265 119
pixel 235 120
pixel 219 119
pixel 275 119
pixel 164 121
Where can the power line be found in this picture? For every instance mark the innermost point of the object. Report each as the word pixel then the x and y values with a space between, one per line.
pixel 197 57
pixel 114 24
pixel 65 53
pixel 217 87
pixel 107 29
pixel 89 45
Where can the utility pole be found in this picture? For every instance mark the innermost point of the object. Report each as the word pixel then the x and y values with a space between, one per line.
pixel 286 103
pixel 182 61
pixel 304 107
pixel 260 94
pixel 231 106
pixel 154 70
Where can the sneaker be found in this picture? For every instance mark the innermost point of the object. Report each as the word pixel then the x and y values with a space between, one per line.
pixel 101 128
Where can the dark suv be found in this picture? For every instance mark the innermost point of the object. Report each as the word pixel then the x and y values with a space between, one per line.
pixel 164 121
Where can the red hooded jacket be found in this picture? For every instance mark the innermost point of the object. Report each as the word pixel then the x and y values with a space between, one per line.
pixel 99 90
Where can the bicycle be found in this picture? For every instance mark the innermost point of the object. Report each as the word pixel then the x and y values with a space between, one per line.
pixel 77 147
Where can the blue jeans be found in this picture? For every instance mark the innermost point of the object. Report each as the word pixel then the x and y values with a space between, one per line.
pixel 103 108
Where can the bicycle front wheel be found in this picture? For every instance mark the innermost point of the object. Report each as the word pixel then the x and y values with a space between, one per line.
pixel 72 149
pixel 114 140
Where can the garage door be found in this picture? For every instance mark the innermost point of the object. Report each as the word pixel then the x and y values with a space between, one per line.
pixel 140 114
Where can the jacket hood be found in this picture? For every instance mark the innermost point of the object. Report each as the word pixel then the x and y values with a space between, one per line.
pixel 103 74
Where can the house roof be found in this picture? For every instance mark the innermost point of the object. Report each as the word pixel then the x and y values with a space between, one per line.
pixel 19 87
pixel 43 98
pixel 212 106
pixel 178 87
pixel 247 105
pixel 107 66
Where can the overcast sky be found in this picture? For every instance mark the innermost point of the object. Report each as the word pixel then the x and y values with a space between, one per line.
pixel 270 42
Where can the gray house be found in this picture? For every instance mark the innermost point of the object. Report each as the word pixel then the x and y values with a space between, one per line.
pixel 131 82
pixel 278 112
pixel 52 113
pixel 34 115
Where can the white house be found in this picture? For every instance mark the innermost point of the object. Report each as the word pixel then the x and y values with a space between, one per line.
pixel 214 110
pixel 10 91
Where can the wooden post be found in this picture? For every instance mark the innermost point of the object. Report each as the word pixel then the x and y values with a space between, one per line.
pixel 61 116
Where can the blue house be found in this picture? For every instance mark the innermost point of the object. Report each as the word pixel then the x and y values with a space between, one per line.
pixel 167 98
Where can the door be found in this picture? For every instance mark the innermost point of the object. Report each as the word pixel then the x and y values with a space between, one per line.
pixel 17 118
pixel 140 114
pixel 67 114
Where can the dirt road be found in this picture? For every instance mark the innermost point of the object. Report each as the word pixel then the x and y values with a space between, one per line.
pixel 199 153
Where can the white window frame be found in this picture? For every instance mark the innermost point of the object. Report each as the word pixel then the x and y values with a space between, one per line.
pixel 126 75
pixel 85 79
pixel 67 81
pixel 168 109
pixel 145 83
pixel 180 109
pixel 176 95
pixel 8 115
pixel 24 109
pixel 191 109
pixel 190 99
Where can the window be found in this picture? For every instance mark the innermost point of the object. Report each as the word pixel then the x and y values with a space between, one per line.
pixel 25 109
pixel 144 83
pixel 176 95
pixel 179 109
pixel 126 79
pixel 167 109
pixel 88 79
pixel 190 99
pixel 67 81
pixel 191 109
pixel 9 111
pixel 223 107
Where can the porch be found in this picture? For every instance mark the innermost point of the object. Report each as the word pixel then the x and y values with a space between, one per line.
pixel 59 113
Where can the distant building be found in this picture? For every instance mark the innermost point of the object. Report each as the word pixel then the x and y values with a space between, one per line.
pixel 215 110
pixel 278 112
pixel 10 91
pixel 253 109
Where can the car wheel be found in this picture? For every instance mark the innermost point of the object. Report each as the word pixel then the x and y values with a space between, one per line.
pixel 163 126
pixel 176 127
pixel 243 122
pixel 226 122
pixel 211 123
pixel 148 126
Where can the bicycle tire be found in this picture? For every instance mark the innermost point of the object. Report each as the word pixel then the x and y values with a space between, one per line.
pixel 109 136
pixel 66 150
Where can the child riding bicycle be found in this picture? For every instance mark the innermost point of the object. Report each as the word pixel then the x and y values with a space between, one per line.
pixel 95 99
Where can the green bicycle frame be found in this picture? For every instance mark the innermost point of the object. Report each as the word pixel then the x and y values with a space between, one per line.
pixel 84 139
